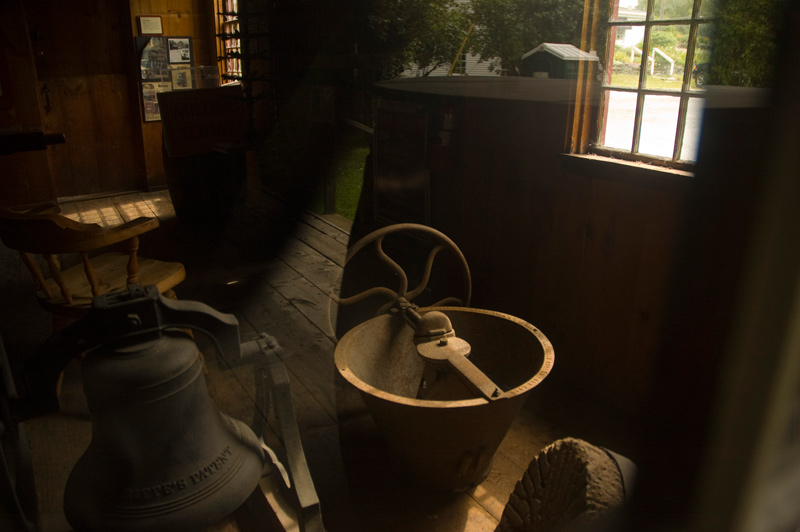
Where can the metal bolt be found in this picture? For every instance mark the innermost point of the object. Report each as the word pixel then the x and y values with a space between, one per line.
pixel 134 321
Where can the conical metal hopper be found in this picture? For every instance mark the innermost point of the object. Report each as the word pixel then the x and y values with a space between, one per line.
pixel 445 444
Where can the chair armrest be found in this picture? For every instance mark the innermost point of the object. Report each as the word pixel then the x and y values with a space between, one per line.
pixel 120 233
pixel 47 208
pixel 130 229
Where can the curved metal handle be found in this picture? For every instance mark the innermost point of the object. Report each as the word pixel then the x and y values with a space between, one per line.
pixel 377 238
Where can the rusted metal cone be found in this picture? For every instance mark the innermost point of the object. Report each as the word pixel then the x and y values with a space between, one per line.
pixel 445 444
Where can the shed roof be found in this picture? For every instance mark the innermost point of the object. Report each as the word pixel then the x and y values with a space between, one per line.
pixel 567 52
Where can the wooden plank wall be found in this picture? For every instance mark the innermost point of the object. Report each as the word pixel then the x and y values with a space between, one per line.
pixel 85 62
pixel 606 303
pixel 88 89
pixel 27 177
pixel 185 18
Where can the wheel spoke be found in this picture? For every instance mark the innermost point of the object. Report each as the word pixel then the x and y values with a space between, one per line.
pixel 426 274
pixel 442 242
pixel 377 290
pixel 393 266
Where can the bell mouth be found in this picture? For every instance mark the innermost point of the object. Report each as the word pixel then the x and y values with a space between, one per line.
pixel 379 358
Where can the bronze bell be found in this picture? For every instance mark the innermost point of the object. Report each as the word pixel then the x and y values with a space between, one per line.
pixel 162 457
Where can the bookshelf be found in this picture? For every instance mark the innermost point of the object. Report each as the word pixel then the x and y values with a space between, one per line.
pixel 243 57
pixel 229 42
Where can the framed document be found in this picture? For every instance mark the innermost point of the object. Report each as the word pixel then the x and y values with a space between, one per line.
pixel 150 25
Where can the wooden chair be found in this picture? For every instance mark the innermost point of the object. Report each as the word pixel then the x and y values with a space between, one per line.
pixel 68 292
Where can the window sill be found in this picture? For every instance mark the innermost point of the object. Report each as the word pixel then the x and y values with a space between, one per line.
pixel 634 173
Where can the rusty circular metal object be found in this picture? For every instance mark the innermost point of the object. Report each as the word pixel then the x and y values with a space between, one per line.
pixel 440 241
pixel 444 444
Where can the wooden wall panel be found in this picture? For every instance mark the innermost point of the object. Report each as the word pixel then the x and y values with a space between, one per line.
pixel 53 119
pixel 88 109
pixel 592 270
pixel 178 23
pixel 151 139
pixel 563 258
pixel 654 287
pixel 77 172
pixel 85 57
pixel 86 62
pixel 112 96
pixel 608 280
pixel 26 177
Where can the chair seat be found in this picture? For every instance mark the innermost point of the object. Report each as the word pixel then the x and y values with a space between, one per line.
pixel 112 274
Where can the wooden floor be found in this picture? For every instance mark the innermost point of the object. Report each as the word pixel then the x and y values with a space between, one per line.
pixel 285 294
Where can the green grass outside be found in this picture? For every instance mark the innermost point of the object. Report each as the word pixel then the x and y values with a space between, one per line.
pixel 653 82
pixel 349 175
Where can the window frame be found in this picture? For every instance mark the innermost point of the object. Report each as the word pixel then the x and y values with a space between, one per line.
pixel 686 92
pixel 461 65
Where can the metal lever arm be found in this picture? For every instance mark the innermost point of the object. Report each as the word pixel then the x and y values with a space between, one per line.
pixel 273 390
pixel 438 345
pixel 454 351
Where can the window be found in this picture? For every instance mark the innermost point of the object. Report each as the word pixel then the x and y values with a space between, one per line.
pixel 461 65
pixel 229 51
pixel 651 100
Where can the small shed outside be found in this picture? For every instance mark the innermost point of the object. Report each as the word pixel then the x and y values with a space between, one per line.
pixel 550 60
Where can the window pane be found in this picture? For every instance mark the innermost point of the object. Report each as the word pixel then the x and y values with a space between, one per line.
pixel 691 130
pixel 622 10
pixel 672 9
pixel 627 62
pixel 659 123
pixel 625 43
pixel 667 55
pixel 617 130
